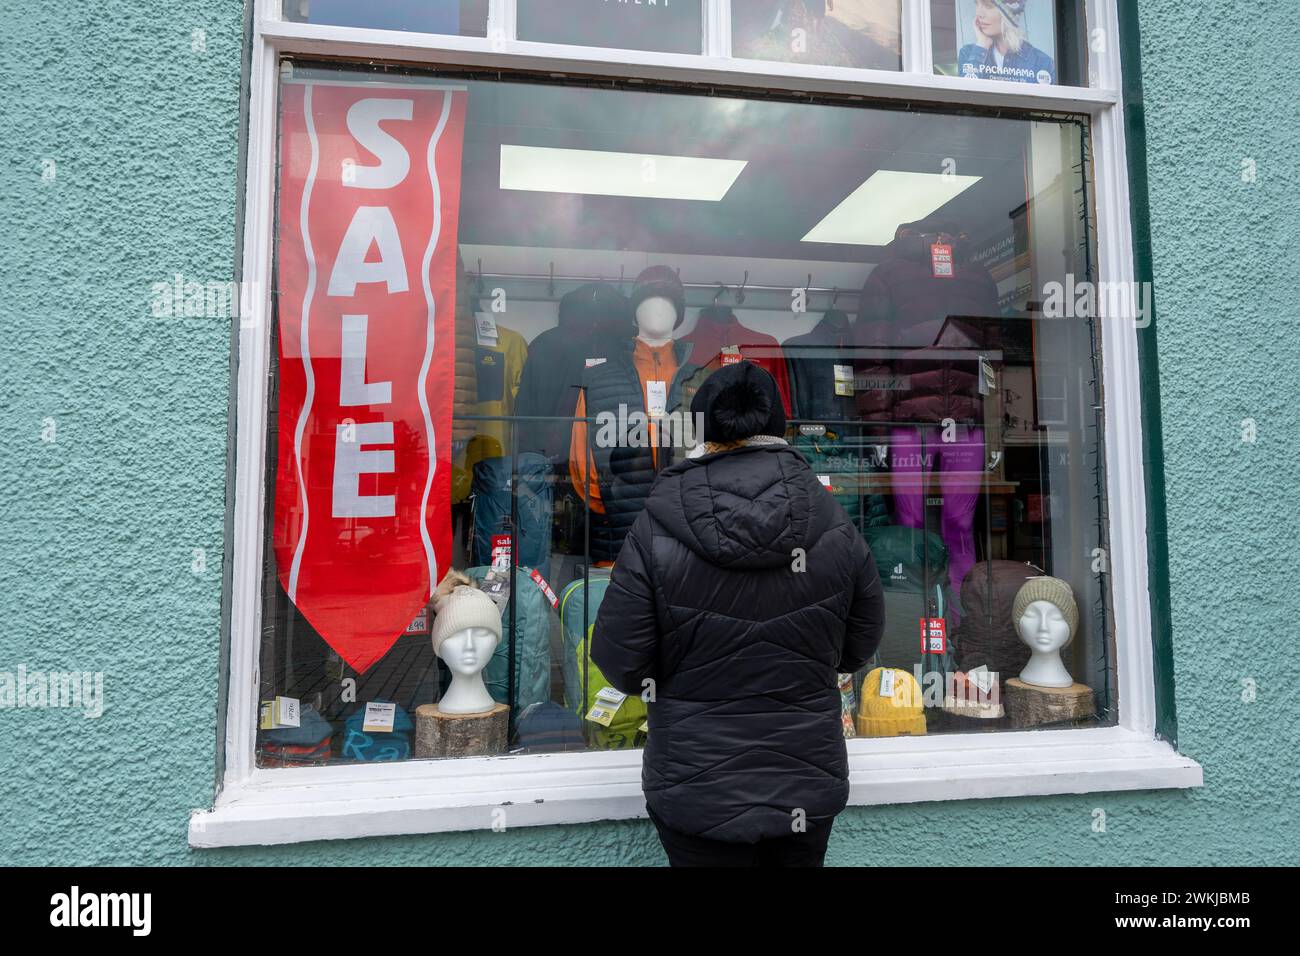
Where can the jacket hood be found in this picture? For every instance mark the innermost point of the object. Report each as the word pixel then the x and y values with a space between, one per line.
pixel 746 508
pixel 596 307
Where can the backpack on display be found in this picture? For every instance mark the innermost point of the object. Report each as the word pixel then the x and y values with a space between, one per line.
pixel 532 645
pixel 988 635
pixel 547 727
pixel 578 607
pixel 913 567
pixel 534 496
pixel 624 729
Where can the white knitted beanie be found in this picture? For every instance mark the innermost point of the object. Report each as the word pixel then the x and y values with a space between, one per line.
pixel 465 607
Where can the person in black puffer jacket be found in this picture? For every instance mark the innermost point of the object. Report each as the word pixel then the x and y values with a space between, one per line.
pixel 740 593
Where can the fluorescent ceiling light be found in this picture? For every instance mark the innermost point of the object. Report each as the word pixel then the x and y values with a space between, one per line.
pixel 874 211
pixel 594 172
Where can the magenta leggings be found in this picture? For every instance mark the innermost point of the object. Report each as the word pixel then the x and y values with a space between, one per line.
pixel 961 469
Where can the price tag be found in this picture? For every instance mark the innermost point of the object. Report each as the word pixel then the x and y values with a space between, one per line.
pixel 280 712
pixel 607 703
pixel 546 588
pixel 941 260
pixel 421 623
pixel 934 635
pixel 982 678
pixel 379 718
pixel 486 328
pixel 731 355
pixel 656 398
pixel 844 380
pixel 501 552
pixel 593 362
pixel 825 480
pixel 887 683
pixel 988 379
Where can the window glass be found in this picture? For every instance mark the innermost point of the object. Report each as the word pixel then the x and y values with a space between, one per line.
pixel 463 380
pixel 665 26
pixel 1019 41
pixel 856 33
pixel 456 17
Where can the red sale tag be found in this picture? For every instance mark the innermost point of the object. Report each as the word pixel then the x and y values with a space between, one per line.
pixel 934 635
pixel 941 260
pixel 546 588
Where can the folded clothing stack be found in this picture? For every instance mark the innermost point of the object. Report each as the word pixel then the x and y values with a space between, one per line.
pixel 305 745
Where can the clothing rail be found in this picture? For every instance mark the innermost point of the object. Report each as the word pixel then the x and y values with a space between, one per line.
pixel 622 280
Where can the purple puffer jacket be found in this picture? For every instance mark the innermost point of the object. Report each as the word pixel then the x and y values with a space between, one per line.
pixel 903 308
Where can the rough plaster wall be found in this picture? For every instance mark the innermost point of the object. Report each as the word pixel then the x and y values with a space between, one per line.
pixel 1229 344
pixel 99 526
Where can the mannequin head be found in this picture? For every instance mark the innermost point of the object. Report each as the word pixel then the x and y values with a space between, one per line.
pixel 467 652
pixel 1046 617
pixel 655 319
pixel 659 302
pixel 1043 627
pixel 466 631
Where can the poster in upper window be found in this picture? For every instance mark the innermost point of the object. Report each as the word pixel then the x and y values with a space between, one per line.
pixel 855 33
pixel 1007 40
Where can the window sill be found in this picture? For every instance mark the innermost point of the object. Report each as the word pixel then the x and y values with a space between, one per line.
pixel 333 803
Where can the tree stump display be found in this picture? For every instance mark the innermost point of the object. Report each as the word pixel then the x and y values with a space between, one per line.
pixel 460 735
pixel 1029 705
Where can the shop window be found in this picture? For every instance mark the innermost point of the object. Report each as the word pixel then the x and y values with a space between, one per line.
pixel 1019 41
pixel 494 302
pixel 865 34
pixel 663 26
pixel 455 17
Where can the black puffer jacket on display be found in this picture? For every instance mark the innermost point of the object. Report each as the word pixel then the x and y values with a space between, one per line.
pixel 595 321
pixel 742 641
pixel 904 308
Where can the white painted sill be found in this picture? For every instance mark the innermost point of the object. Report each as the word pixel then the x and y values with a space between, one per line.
pixel 335 803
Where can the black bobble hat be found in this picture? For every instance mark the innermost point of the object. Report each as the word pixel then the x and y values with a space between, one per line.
pixel 660 281
pixel 739 401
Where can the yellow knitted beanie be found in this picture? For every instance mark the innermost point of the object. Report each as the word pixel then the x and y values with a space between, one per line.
pixel 899 715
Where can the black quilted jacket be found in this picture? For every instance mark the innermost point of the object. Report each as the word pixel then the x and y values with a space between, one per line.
pixel 741 591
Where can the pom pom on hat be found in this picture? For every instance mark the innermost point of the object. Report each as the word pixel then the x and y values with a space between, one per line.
pixel 738 402
pixel 464 608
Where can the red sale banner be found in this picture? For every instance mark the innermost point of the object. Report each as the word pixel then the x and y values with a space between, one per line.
pixel 368 221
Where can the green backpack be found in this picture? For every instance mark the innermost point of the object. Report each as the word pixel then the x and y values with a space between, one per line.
pixel 625 729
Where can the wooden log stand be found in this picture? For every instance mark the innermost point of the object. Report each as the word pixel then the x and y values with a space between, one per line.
pixel 460 735
pixel 1029 705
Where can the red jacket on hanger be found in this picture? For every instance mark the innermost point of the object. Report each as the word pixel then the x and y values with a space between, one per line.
pixel 718 328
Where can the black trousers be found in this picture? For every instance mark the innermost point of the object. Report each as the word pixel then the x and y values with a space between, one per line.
pixel 797 849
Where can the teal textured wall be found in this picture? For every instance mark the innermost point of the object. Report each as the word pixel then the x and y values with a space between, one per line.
pixel 112 456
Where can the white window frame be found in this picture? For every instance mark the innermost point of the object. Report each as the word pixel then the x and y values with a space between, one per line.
pixel 272 806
